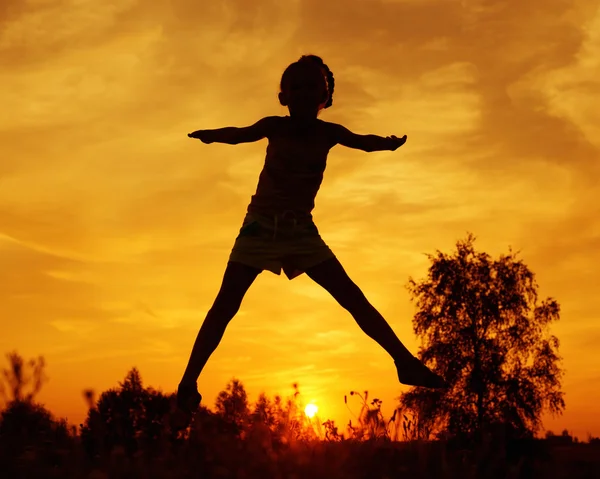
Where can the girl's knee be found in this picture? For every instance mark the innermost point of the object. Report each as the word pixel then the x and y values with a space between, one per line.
pixel 352 298
pixel 224 310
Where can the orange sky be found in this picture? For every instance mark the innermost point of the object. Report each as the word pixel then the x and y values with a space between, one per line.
pixel 115 227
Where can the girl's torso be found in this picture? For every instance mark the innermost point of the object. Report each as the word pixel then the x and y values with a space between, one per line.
pixel 293 171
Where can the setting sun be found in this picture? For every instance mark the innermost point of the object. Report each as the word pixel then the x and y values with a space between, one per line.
pixel 310 410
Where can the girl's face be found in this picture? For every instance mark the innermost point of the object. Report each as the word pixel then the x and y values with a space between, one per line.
pixel 305 90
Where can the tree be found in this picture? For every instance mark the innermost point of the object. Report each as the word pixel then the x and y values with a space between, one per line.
pixel 25 425
pixel 232 403
pixel 130 416
pixel 483 329
pixel 264 411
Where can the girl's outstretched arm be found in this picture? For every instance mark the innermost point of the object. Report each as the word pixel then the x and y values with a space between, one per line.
pixel 233 135
pixel 369 143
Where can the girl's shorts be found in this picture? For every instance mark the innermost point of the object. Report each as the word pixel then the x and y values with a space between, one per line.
pixel 279 242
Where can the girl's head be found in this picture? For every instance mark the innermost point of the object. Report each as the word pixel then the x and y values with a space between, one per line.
pixel 307 86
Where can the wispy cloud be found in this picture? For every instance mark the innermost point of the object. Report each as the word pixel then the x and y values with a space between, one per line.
pixel 115 227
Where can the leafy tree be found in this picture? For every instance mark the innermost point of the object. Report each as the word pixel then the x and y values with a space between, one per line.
pixel 130 416
pixel 232 404
pixel 484 330
pixel 27 427
pixel 264 411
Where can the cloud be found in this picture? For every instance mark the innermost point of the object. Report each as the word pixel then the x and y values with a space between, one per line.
pixel 41 306
pixel 572 91
pixel 33 31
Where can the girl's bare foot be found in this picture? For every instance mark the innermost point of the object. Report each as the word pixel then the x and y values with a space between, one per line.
pixel 188 398
pixel 413 372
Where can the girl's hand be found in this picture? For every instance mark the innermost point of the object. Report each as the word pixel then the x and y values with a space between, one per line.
pixel 396 142
pixel 201 135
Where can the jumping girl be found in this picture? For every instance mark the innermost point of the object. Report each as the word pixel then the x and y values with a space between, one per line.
pixel 278 232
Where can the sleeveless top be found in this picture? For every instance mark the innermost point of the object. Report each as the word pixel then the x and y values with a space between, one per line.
pixel 293 170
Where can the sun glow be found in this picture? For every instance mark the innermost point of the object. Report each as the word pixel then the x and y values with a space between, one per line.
pixel 310 410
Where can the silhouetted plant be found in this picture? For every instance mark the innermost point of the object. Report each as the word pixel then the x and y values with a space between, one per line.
pixel 331 431
pixel 28 431
pixel 232 404
pixel 19 375
pixel 483 329
pixel 263 411
pixel 129 416
pixel 371 422
pixel 593 440
pixel 416 424
pixel 276 441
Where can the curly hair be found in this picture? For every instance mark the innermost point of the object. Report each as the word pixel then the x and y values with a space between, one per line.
pixel 327 74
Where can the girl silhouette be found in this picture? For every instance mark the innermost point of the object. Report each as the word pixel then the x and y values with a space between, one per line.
pixel 278 231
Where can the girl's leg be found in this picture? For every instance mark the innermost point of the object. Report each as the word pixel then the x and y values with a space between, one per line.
pixel 331 275
pixel 236 281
